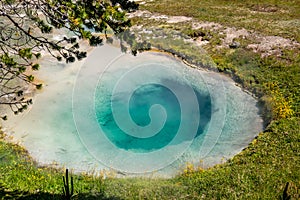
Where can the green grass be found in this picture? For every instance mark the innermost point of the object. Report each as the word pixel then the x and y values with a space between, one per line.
pixel 249 14
pixel 261 171
pixel 20 177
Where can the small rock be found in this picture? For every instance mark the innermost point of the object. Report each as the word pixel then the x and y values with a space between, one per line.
pixel 234 45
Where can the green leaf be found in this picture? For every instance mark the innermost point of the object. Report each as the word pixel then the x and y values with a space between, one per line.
pixel 25 53
pixel 35 67
pixel 22 69
pixel 4 118
pixel 38 86
pixel 20 93
pixel 75 46
pixel 37 55
pixel 70 59
pixel 8 61
pixel 30 78
pixel 73 40
pixel 94 41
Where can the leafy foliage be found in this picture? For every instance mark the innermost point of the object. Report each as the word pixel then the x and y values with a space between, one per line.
pixel 280 106
pixel 25 30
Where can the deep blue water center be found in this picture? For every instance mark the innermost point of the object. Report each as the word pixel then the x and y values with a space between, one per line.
pixel 140 104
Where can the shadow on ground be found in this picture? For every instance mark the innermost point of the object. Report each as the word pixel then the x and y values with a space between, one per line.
pixel 15 194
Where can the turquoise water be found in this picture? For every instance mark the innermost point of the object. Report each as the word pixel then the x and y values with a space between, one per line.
pixel 149 114
pixel 139 105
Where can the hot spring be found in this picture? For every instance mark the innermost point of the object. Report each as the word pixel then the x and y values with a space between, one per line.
pixel 148 114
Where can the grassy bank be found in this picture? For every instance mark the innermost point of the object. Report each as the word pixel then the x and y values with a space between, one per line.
pixel 261 171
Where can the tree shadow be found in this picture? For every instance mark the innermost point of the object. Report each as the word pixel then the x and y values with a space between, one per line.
pixel 16 194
